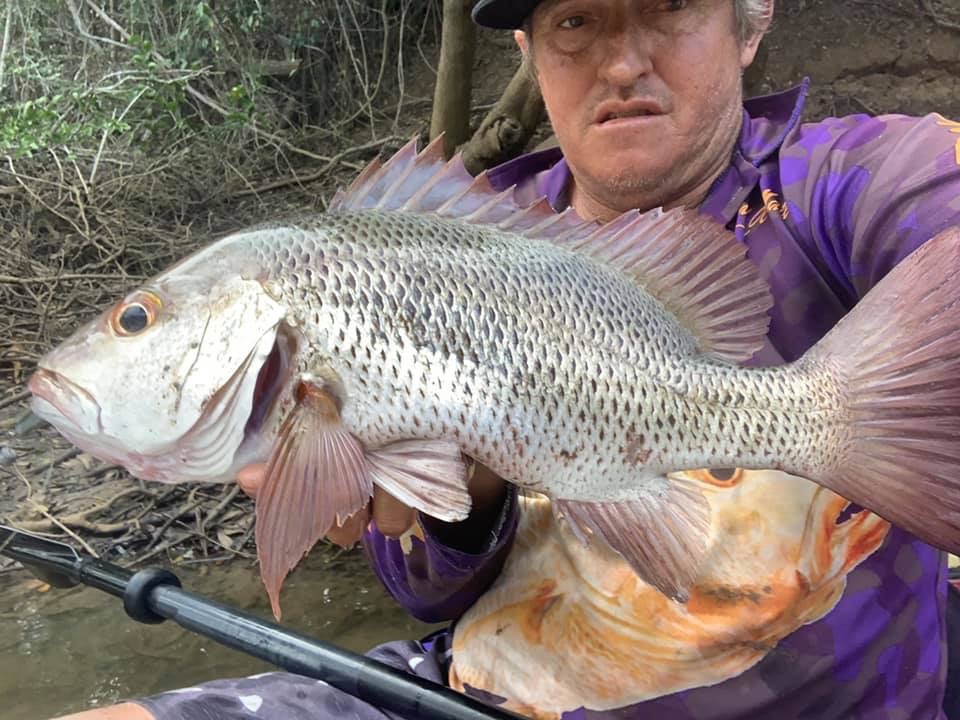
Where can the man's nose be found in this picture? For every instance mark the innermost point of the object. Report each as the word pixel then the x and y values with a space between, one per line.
pixel 629 56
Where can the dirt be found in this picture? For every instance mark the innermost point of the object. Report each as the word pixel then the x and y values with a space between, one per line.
pixel 875 56
pixel 885 56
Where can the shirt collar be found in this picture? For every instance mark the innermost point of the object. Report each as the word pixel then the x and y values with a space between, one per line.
pixel 767 120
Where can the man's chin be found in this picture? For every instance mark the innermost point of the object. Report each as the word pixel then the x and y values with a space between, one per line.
pixel 628 186
pixel 626 160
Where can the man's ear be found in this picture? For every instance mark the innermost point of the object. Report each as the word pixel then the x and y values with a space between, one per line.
pixel 748 50
pixel 521 39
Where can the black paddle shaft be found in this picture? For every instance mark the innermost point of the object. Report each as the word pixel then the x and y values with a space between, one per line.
pixel 153 595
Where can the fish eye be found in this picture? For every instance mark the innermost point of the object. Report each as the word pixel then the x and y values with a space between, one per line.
pixel 719 477
pixel 133 319
pixel 136 314
pixel 724 477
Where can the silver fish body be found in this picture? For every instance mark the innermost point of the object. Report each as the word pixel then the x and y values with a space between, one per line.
pixel 552 368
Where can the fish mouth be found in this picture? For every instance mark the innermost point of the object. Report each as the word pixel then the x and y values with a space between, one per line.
pixel 271 380
pixel 63 403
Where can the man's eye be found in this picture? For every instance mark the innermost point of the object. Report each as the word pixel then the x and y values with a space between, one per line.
pixel 572 22
pixel 674 5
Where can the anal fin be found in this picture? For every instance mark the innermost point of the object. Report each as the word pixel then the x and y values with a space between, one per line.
pixel 317 476
pixel 664 537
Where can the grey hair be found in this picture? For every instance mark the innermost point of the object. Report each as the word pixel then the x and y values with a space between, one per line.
pixel 753 16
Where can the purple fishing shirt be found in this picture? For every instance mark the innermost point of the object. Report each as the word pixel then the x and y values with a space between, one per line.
pixel 826 209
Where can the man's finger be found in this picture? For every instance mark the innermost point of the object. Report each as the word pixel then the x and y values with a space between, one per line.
pixel 393 518
pixel 349 534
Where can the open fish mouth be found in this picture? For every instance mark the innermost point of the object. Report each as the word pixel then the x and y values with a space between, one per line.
pixel 271 380
pixel 63 403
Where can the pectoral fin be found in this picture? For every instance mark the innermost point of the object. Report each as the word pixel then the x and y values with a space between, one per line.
pixel 664 537
pixel 317 475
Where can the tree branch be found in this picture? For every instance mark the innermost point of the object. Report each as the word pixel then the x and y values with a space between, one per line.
pixel 935 16
pixel 451 98
pixel 508 127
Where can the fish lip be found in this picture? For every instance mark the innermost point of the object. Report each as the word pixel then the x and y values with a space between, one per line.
pixel 608 109
pixel 70 401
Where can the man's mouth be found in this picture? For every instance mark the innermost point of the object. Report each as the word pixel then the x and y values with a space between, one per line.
pixel 611 111
pixel 619 115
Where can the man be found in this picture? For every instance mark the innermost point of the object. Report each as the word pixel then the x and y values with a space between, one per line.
pixel 810 609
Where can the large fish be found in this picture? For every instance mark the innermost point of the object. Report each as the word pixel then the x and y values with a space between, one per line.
pixel 425 315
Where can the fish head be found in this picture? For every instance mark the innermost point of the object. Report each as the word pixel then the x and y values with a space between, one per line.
pixel 166 381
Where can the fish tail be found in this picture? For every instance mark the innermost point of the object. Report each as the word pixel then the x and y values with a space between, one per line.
pixel 896 360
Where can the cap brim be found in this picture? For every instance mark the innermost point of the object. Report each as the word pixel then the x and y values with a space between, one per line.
pixel 503 14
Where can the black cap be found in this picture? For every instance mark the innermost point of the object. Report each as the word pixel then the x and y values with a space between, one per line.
pixel 503 14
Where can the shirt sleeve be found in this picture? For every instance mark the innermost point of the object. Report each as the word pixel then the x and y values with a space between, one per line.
pixel 877 188
pixel 434 582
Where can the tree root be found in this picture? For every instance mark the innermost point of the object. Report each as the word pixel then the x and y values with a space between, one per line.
pixel 936 18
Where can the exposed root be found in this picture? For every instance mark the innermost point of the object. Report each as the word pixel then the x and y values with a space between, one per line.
pixel 937 18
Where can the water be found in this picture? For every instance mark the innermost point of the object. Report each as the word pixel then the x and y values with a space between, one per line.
pixel 62 651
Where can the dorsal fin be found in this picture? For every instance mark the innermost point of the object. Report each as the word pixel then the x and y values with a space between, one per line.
pixel 691 263
pixel 696 268
pixel 427 183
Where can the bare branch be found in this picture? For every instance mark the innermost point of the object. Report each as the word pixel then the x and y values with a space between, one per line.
pixel 6 39
pixel 82 30
pixel 451 100
pixel 937 19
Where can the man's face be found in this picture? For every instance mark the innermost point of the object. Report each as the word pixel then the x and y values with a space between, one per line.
pixel 644 95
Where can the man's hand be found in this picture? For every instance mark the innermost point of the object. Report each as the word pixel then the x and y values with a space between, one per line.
pixel 393 518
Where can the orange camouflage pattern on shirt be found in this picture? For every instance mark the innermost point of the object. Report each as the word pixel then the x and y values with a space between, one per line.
pixel 570 626
pixel 954 127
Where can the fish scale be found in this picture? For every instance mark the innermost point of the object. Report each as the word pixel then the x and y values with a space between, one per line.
pixel 601 338
pixel 426 315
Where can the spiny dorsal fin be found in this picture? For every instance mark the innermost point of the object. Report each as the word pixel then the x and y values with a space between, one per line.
pixel 691 263
pixel 426 182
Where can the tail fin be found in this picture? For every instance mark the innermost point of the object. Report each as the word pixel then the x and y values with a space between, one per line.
pixel 898 355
